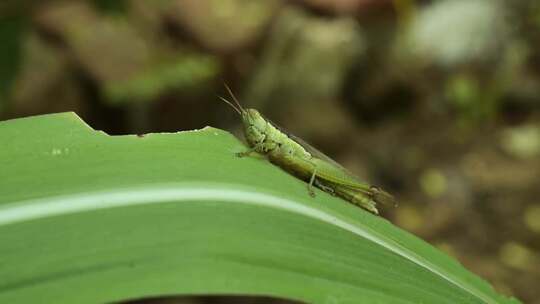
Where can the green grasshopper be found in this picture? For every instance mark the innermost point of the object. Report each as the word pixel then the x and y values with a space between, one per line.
pixel 303 161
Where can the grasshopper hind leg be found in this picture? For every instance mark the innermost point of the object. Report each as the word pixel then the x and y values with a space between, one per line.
pixel 317 183
pixel 323 187
pixel 364 200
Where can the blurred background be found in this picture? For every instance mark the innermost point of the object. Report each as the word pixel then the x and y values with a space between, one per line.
pixel 437 102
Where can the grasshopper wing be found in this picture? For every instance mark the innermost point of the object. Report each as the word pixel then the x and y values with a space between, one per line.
pixel 327 168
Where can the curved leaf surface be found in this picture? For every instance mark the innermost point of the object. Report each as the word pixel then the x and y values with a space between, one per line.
pixel 89 218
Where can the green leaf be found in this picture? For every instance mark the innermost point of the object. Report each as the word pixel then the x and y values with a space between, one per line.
pixel 88 218
pixel 11 30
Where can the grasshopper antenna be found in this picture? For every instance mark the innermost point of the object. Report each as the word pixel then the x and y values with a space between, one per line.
pixel 231 104
pixel 234 98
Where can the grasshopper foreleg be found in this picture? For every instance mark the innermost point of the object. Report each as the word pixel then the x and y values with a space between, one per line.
pixel 262 148
pixel 246 153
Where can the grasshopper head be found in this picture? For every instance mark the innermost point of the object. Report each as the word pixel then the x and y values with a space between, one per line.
pixel 254 123
pixel 254 126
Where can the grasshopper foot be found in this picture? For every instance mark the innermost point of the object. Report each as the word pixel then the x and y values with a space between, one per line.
pixel 242 154
pixel 311 192
pixel 245 153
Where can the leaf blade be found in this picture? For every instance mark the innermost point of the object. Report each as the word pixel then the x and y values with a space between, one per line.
pixel 92 192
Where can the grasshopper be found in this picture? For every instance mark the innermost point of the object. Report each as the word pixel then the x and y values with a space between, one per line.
pixel 300 159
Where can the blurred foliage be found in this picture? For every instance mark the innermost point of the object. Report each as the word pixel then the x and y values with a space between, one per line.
pixel 470 39
pixel 436 101
pixel 300 62
pixel 11 29
pixel 522 142
pixel 187 69
pixel 118 6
